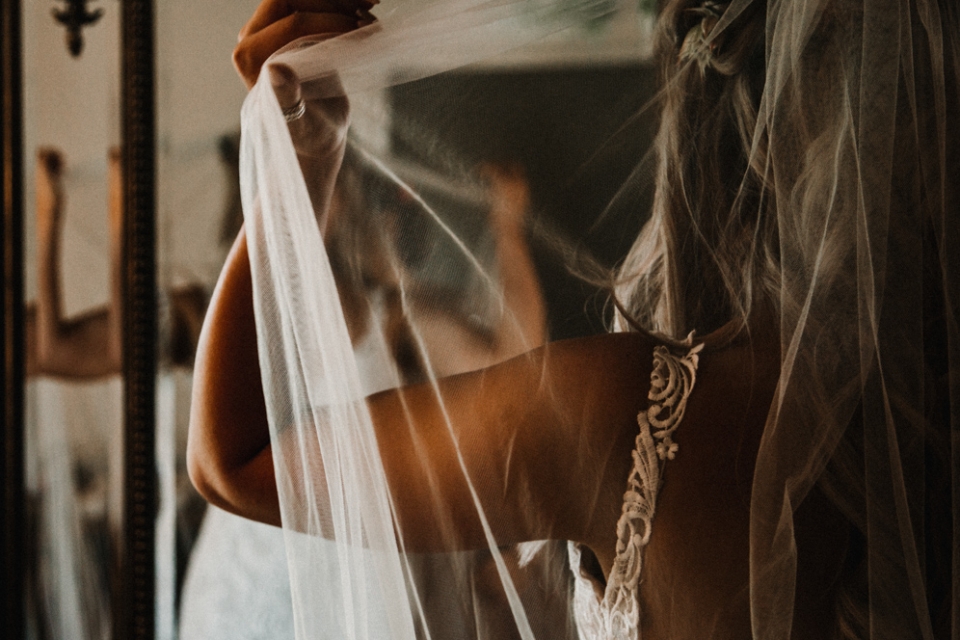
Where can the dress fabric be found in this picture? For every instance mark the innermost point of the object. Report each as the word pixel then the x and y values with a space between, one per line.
pixel 68 435
pixel 612 612
pixel 237 585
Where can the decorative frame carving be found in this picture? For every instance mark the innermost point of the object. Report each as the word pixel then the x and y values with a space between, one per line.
pixel 13 570
pixel 135 577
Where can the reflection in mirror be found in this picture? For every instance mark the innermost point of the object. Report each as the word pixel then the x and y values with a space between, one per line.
pixel 74 392
pixel 198 120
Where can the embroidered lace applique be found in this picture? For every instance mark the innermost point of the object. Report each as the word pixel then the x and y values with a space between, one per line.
pixel 615 615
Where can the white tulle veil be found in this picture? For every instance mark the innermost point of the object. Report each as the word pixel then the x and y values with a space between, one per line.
pixel 839 231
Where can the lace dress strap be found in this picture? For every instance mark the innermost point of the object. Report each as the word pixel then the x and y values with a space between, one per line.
pixel 613 613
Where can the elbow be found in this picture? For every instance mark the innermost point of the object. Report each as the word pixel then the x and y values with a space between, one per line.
pixel 208 478
pixel 246 489
pixel 213 478
pixel 216 485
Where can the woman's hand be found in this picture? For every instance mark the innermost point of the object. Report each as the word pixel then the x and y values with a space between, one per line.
pixel 229 455
pixel 277 23
pixel 318 127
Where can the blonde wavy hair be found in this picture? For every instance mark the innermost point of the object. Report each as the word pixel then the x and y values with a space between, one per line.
pixel 709 253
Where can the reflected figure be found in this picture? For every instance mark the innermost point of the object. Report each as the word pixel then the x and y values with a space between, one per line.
pixel 87 346
pixel 238 585
pixel 365 235
pixel 68 518
pixel 90 345
pixel 71 494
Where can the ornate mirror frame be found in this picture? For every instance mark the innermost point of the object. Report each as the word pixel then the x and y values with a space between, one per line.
pixel 12 316
pixel 134 565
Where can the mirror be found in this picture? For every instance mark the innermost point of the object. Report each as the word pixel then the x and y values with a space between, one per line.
pixel 12 568
pixel 79 315
pixel 74 390
pixel 198 122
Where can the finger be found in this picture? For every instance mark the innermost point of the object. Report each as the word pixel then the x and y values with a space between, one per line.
pixel 285 85
pixel 273 11
pixel 509 191
pixel 322 122
pixel 254 50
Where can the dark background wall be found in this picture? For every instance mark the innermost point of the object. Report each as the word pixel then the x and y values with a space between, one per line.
pixel 581 136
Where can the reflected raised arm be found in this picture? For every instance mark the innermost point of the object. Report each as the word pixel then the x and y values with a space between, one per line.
pixel 89 345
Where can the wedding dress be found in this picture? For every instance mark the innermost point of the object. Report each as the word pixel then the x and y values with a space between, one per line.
pixel 69 427
pixel 844 222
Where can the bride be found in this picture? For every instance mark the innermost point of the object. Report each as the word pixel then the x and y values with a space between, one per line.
pixel 778 400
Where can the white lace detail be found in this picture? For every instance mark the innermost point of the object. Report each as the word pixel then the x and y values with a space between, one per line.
pixel 616 615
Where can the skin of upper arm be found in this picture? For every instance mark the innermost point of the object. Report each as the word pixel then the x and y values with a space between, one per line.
pixel 540 437
pixel 543 424
pixel 76 349
pixel 545 438
pixel 229 432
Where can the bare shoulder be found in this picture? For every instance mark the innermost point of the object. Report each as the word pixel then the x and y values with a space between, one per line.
pixel 560 420
pixel 698 556
pixel 589 363
pixel 555 421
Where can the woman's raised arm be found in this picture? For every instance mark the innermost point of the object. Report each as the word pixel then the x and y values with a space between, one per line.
pixel 544 438
pixel 87 346
pixel 228 450
pixel 228 447
pixel 559 421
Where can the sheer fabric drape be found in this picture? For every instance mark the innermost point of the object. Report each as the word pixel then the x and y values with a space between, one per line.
pixel 848 220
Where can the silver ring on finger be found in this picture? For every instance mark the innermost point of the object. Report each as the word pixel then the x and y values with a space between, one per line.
pixel 295 112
